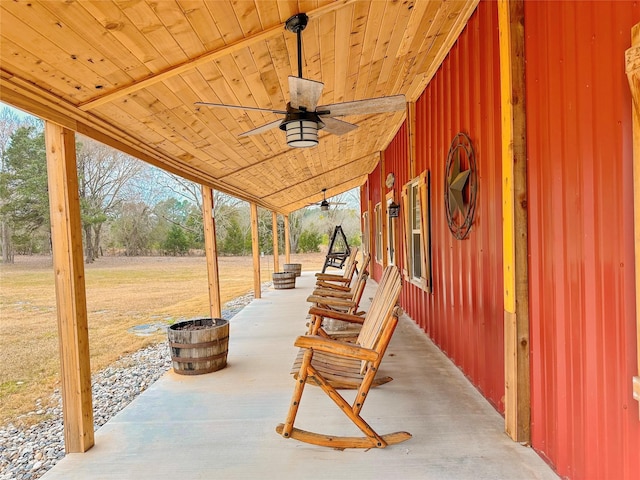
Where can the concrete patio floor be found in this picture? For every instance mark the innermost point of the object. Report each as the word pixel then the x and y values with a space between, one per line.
pixel 222 425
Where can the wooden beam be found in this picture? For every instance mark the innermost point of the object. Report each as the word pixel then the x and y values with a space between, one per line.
pixel 255 248
pixel 274 228
pixel 287 244
pixel 73 332
pixel 211 252
pixel 411 133
pixel 633 76
pixel 514 223
pixel 205 58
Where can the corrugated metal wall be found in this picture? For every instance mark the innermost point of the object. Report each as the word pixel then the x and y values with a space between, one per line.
pixel 464 314
pixel 581 232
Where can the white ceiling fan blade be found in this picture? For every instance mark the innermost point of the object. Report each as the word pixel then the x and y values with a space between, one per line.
pixel 304 94
pixel 263 128
pixel 337 127
pixel 239 107
pixel 362 107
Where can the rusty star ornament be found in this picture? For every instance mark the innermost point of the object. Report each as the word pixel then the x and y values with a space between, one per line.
pixel 460 186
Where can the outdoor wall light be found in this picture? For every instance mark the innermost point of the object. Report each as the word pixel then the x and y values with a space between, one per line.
pixel 394 210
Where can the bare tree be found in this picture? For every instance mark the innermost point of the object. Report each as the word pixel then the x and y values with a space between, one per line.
pixel 223 205
pixel 104 179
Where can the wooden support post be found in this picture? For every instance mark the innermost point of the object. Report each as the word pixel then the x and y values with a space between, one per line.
pixel 633 76
pixel 211 252
pixel 287 244
pixel 255 248
pixel 73 332
pixel 384 217
pixel 274 226
pixel 514 221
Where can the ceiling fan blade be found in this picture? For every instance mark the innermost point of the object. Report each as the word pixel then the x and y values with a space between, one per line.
pixel 304 93
pixel 240 107
pixel 337 127
pixel 362 107
pixel 263 128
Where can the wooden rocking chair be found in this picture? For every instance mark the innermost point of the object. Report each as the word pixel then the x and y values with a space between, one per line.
pixel 365 355
pixel 339 300
pixel 330 279
pixel 351 293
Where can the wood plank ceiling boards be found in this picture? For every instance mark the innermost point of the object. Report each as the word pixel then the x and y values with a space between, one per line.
pixel 128 74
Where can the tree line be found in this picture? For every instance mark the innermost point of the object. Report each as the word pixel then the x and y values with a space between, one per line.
pixel 131 208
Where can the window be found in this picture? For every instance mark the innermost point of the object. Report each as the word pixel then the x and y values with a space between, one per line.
pixel 416 213
pixel 378 226
pixel 365 233
pixel 414 238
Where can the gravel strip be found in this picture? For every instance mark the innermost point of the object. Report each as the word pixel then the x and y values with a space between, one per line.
pixel 26 453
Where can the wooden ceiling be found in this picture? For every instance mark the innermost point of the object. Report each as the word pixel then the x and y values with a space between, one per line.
pixel 128 72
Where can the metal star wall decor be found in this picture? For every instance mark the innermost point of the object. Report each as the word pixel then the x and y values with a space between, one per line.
pixel 460 186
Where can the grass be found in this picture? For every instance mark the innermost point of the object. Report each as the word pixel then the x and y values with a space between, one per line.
pixel 122 292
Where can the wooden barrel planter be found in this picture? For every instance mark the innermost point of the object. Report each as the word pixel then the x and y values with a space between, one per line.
pixel 284 280
pixel 199 345
pixel 293 267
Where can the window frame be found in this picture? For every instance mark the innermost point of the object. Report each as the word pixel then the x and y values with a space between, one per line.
pixel 424 281
pixel 366 245
pixel 377 212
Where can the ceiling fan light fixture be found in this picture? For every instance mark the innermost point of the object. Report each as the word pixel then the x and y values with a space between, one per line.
pixel 324 206
pixel 301 133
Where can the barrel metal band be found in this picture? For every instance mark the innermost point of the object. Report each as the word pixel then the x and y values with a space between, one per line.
pixel 198 345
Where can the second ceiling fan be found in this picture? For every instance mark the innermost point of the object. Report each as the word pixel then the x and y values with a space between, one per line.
pixel 324 204
pixel 303 117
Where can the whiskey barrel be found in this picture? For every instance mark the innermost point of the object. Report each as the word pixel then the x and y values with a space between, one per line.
pixel 284 280
pixel 293 267
pixel 199 346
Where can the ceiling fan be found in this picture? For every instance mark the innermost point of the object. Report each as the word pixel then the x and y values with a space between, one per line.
pixel 324 204
pixel 303 117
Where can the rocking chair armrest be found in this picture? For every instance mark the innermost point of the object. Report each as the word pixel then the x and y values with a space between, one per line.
pixel 329 276
pixel 336 347
pixel 343 286
pixel 331 301
pixel 329 292
pixel 346 317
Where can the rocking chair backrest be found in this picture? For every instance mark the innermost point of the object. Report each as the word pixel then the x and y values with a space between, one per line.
pixel 381 309
pixel 351 263
pixel 361 280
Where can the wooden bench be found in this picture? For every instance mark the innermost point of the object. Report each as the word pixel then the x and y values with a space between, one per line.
pixel 327 362
pixel 338 251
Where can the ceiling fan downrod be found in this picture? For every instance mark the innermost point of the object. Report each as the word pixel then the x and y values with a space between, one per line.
pixel 297 24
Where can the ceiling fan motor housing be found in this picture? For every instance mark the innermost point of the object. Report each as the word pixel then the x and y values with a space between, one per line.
pixel 297 23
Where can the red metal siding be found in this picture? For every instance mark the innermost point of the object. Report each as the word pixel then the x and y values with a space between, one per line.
pixel 582 306
pixel 464 314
